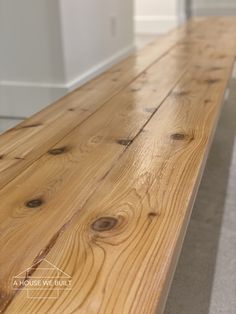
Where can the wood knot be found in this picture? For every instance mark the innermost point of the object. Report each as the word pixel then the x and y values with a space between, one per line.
pixel 104 224
pixel 212 81
pixel 125 142
pixel 135 89
pixel 152 214
pixel 1 157
pixel 178 136
pixel 71 109
pixel 57 151
pixel 216 68
pixel 180 93
pixel 34 203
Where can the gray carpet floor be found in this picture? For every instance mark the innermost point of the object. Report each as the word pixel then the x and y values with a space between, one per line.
pixel 205 278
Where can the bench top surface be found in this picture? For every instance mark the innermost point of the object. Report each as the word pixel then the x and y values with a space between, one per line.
pixel 97 189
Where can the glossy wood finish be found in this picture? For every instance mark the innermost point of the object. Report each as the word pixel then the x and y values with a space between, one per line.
pixel 53 123
pixel 101 184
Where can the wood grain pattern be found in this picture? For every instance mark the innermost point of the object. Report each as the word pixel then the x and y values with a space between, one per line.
pixel 74 168
pixel 55 122
pixel 108 200
pixel 145 202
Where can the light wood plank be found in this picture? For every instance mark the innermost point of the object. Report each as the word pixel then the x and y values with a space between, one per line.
pixel 121 247
pixel 89 153
pixel 107 160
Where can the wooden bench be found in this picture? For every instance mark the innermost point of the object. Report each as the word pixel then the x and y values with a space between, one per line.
pixel 97 189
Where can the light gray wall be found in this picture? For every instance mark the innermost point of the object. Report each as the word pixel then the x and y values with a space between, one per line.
pixel 49 47
pixel 213 7
pixel 30 42
pixel 104 29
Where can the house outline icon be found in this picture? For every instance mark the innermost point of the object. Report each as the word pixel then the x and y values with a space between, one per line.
pixel 25 277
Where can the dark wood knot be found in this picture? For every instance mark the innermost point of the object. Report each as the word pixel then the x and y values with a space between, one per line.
pixel 34 203
pixel 178 136
pixel 104 224
pixel 125 142
pixel 152 214
pixel 57 151
pixel 1 157
pixel 212 81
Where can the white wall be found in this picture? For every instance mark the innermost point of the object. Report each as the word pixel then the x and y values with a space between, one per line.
pixel 30 35
pixel 155 16
pixel 31 56
pixel 105 32
pixel 214 7
pixel 50 47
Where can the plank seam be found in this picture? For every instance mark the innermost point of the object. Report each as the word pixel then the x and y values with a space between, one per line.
pixel 45 251
pixel 99 108
pixel 89 116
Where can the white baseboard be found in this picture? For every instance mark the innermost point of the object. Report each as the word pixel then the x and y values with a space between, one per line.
pixel 22 99
pixel 154 24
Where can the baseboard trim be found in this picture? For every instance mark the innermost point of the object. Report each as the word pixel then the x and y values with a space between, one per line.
pixel 22 99
pixel 154 24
